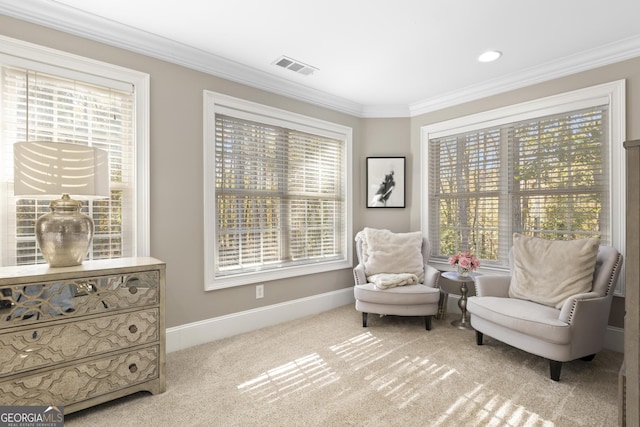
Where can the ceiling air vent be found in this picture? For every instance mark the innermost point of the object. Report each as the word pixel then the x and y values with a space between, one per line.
pixel 293 65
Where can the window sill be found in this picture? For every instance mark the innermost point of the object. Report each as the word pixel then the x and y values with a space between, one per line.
pixel 223 282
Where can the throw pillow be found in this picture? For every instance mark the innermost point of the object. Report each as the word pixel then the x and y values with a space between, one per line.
pixel 550 271
pixel 388 252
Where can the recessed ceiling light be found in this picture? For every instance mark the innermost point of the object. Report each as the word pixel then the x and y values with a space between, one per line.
pixel 490 56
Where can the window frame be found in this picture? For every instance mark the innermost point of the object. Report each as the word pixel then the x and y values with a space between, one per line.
pixel 612 94
pixel 51 61
pixel 217 103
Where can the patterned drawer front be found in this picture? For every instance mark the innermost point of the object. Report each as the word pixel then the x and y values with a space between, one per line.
pixel 40 347
pixel 20 305
pixel 76 383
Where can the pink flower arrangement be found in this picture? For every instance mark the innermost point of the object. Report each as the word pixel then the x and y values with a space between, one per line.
pixel 464 260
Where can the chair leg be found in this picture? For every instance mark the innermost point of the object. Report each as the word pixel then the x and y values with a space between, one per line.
pixel 427 322
pixel 479 337
pixel 554 368
pixel 588 358
pixel 364 320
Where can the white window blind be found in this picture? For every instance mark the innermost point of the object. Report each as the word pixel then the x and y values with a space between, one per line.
pixel 280 197
pixel 545 177
pixel 277 193
pixel 559 182
pixel 45 107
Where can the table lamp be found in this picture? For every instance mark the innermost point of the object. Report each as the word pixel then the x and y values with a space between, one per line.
pixel 46 169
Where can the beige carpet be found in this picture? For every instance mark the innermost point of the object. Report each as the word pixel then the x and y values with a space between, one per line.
pixel 326 370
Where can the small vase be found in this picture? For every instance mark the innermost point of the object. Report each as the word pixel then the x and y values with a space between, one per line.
pixel 463 272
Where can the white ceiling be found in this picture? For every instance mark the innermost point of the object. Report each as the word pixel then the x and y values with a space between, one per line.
pixel 374 57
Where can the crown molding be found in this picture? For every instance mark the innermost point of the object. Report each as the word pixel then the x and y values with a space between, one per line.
pixel 384 111
pixel 73 21
pixel 584 61
pixel 61 17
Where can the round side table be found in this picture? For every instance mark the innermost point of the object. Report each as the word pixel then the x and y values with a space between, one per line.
pixel 463 322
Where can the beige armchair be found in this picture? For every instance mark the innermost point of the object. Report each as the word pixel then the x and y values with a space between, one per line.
pixel 415 295
pixel 574 330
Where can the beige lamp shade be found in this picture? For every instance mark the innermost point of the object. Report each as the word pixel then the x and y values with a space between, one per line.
pixel 55 168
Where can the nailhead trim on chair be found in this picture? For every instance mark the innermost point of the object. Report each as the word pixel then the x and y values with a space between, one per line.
pixel 573 310
pixel 609 285
pixel 613 271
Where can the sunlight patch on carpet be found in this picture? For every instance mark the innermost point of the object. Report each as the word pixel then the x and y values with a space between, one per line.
pixel 484 407
pixel 408 379
pixel 361 350
pixel 308 372
pixel 402 380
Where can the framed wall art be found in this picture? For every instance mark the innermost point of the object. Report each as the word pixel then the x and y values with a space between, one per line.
pixel 386 179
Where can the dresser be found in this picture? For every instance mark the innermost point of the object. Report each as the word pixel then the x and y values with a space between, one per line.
pixel 79 336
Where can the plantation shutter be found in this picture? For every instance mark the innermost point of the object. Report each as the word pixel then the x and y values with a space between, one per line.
pixel 42 107
pixel 544 177
pixel 279 196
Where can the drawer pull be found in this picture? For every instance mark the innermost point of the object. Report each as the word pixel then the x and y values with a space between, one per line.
pixel 84 288
pixel 34 335
pixel 133 290
pixel 133 329
pixel 133 368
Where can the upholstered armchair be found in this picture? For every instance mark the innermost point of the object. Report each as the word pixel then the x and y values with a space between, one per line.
pixel 392 276
pixel 571 327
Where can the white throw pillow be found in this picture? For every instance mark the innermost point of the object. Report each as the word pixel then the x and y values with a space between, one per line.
pixel 388 252
pixel 550 271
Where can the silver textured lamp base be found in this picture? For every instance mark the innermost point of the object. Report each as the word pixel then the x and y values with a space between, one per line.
pixel 64 234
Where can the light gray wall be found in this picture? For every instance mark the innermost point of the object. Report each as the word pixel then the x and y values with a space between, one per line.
pixel 384 138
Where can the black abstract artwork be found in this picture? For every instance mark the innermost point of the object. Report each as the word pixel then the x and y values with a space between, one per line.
pixel 385 182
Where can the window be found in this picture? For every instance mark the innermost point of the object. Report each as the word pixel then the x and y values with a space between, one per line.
pixel 63 98
pixel 276 193
pixel 548 169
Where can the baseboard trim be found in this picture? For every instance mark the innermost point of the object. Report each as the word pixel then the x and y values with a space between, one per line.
pixel 613 340
pixel 202 332
pixel 196 333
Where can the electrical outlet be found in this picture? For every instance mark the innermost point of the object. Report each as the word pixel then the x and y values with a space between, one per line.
pixel 259 291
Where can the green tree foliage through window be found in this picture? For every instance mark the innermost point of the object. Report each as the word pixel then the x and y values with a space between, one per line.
pixel 545 177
